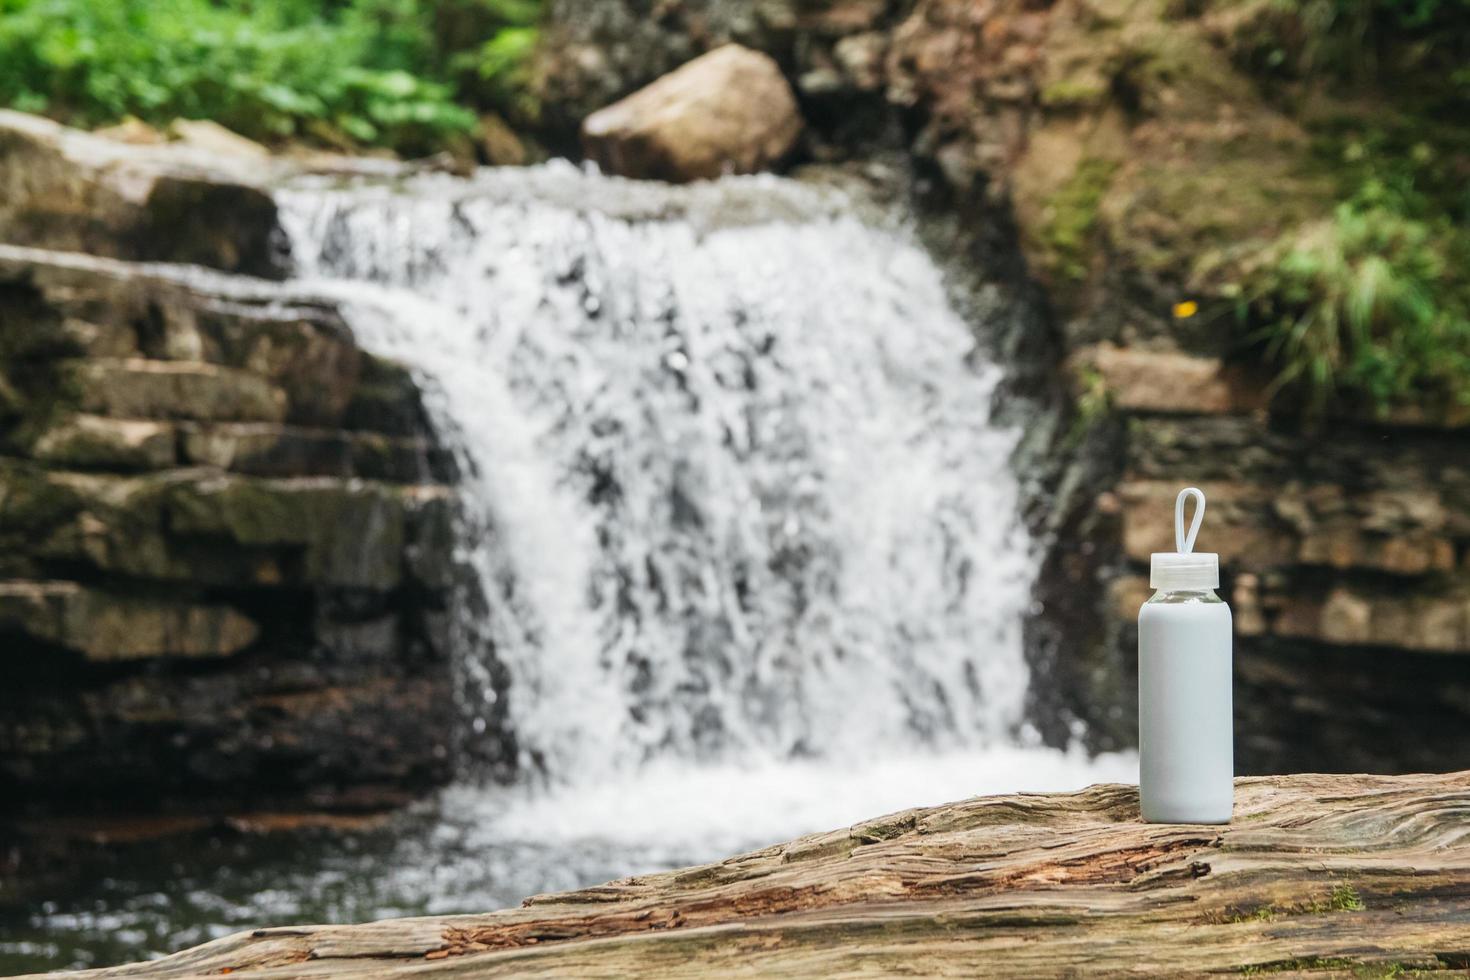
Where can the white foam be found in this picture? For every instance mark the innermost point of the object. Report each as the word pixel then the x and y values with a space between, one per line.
pixel 715 810
pixel 735 491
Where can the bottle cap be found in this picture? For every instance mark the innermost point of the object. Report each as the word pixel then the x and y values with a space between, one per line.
pixel 1184 569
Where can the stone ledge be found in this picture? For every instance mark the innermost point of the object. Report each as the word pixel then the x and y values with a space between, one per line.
pixel 177 202
pixel 242 620
pixel 1159 381
pixel 1436 621
pixel 96 442
pixel 104 627
pixel 141 388
pixel 222 529
pixel 330 736
pixel 1430 623
pixel 1253 526
pixel 262 449
pixel 1172 382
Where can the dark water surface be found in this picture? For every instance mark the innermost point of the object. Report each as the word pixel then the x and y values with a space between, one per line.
pixel 144 900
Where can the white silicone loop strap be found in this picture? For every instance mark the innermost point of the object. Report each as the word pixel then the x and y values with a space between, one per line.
pixel 1182 543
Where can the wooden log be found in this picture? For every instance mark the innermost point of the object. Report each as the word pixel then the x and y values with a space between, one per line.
pixel 1347 875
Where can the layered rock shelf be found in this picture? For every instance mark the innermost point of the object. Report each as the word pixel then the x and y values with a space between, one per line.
pixel 1316 875
pixel 225 549
pixel 1342 545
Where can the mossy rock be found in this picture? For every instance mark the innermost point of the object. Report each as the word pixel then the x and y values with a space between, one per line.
pixel 31 503
pixel 1070 218
pixel 348 534
pixel 386 400
pixel 106 627
pixel 93 442
pixel 138 388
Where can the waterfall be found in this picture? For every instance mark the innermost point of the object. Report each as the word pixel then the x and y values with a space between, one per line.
pixel 733 490
pixel 739 531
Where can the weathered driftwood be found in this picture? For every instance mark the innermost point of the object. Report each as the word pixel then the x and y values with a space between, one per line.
pixel 1356 875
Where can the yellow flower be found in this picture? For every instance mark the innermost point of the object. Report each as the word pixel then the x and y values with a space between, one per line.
pixel 1185 310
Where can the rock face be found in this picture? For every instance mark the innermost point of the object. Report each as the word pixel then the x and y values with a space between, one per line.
pixel 728 111
pixel 1339 875
pixel 1340 548
pixel 203 199
pixel 224 549
pixel 64 189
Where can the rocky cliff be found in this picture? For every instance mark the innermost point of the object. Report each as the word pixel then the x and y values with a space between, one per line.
pixel 1122 168
pixel 224 529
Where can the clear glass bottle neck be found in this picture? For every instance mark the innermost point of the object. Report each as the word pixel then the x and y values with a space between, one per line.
pixel 1185 595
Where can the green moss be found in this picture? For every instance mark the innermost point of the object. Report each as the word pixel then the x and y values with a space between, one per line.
pixel 32 504
pixel 1071 217
pixel 1093 403
pixel 1265 913
pixel 1069 92
pixel 1344 898
pixel 1364 971
pixel 1297 965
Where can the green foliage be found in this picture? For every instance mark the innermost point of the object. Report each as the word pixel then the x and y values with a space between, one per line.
pixel 370 71
pixel 1370 305
pixel 1350 37
pixel 502 65
pixel 1362 305
pixel 1345 898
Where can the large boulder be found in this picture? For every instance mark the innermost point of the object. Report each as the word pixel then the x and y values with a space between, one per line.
pixel 728 111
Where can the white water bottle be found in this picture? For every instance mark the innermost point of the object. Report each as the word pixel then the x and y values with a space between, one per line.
pixel 1185 729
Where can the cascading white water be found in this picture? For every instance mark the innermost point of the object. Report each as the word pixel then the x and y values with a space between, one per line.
pixel 734 494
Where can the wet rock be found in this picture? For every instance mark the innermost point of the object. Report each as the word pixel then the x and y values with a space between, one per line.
pixel 94 442
pixel 342 736
pixel 208 135
pixel 64 189
pixel 1426 622
pixel 348 534
pixel 862 57
pixel 221 580
pixel 499 144
pixel 133 130
pixel 143 388
pixel 105 627
pixel 431 536
pixel 1166 381
pixel 386 400
pixel 208 222
pixel 274 450
pixel 120 193
pixel 728 111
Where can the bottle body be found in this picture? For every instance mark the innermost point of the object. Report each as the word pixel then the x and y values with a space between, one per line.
pixel 1185 726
